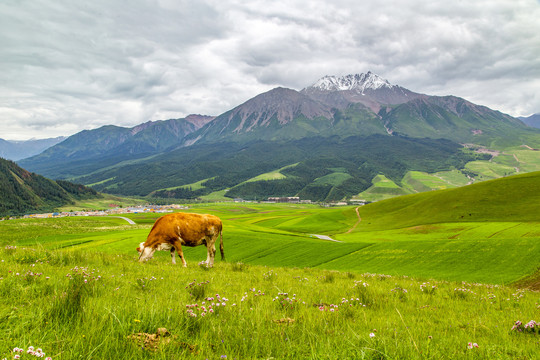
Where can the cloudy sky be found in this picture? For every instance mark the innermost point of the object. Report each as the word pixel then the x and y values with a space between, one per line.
pixel 70 65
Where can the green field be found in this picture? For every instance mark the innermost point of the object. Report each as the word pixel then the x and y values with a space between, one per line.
pixel 107 201
pixel 511 161
pixel 272 175
pixel 75 303
pixel 431 252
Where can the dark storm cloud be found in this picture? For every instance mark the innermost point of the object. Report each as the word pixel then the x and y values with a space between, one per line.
pixel 69 66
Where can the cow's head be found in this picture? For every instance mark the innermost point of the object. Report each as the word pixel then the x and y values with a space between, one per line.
pixel 145 252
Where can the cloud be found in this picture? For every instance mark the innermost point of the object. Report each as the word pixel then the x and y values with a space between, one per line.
pixel 69 66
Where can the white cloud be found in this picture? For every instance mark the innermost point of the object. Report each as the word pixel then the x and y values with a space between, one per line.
pixel 69 66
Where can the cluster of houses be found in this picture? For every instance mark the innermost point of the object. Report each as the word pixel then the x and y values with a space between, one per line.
pixel 296 200
pixel 112 211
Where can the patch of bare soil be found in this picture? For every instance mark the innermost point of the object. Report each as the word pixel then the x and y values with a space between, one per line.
pixel 286 321
pixel 152 342
pixel 531 282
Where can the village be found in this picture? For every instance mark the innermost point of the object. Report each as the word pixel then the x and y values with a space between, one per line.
pixel 119 210
pixel 112 211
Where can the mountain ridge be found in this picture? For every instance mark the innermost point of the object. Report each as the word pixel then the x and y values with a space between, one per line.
pixel 17 150
pixel 533 120
pixel 364 107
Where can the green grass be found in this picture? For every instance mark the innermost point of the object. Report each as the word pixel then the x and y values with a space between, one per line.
pixel 272 175
pixel 417 181
pixel 216 196
pixel 513 198
pixel 106 202
pixel 335 179
pixel 382 188
pixel 194 186
pixel 457 239
pixel 509 161
pixel 489 170
pixel 81 304
pixel 454 178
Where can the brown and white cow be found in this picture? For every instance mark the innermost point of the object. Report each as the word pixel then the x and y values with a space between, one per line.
pixel 172 231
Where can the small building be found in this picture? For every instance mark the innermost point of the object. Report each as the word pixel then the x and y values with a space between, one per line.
pixel 285 199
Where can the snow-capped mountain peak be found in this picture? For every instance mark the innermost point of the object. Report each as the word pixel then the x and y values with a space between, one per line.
pixel 358 82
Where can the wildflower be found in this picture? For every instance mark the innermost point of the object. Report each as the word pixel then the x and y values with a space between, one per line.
pixel 371 335
pixel 472 345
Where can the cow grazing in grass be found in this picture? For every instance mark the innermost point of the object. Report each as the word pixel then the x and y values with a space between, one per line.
pixel 172 231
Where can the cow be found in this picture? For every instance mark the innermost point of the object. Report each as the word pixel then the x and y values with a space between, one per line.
pixel 171 231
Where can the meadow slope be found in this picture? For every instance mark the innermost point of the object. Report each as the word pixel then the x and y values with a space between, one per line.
pixel 416 278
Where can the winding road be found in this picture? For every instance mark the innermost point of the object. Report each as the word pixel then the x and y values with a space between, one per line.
pixel 131 222
pixel 326 237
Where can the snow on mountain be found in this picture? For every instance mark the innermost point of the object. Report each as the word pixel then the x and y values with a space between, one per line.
pixel 358 82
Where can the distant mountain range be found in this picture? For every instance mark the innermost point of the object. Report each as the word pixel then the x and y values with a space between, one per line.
pixel 24 192
pixel 17 150
pixel 314 140
pixel 533 120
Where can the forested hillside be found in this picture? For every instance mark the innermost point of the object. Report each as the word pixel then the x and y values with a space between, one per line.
pixel 319 169
pixel 22 191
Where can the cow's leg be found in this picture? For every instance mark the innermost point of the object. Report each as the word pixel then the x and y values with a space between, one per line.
pixel 178 246
pixel 211 250
pixel 173 256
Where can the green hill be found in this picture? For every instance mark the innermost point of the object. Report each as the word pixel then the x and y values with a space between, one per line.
pixel 514 198
pixel 22 191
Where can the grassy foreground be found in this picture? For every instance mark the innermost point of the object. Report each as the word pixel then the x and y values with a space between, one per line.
pixel 91 305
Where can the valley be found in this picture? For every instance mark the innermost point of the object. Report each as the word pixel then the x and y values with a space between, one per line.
pixel 457 234
pixel 427 274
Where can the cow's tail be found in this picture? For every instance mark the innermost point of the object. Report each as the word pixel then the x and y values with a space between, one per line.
pixel 221 245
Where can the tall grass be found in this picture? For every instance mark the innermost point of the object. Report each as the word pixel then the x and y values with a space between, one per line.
pixel 100 306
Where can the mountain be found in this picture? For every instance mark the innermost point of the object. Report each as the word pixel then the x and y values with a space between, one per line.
pixel 112 144
pixel 368 89
pixel 325 142
pixel 277 114
pixel 23 192
pixel 454 118
pixel 533 120
pixel 16 150
pixel 362 104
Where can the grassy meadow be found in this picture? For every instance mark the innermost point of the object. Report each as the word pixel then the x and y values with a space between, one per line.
pixel 93 305
pixel 416 277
